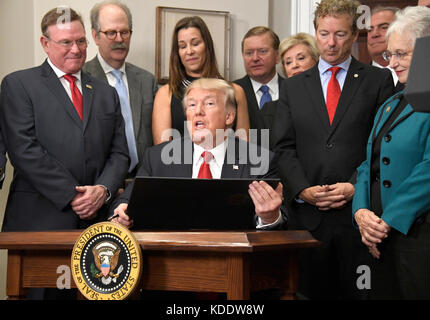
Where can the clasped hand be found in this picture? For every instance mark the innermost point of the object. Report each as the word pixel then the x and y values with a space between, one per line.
pixel 328 197
pixel 372 229
pixel 88 200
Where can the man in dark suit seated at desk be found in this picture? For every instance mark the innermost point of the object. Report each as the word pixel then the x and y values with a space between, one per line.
pixel 210 108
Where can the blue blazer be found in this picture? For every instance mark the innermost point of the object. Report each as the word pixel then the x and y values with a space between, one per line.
pixel 405 180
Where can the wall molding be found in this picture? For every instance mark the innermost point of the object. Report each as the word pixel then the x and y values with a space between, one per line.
pixel 302 16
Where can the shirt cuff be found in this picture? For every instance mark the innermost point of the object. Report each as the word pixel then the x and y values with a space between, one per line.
pixel 298 200
pixel 108 194
pixel 278 221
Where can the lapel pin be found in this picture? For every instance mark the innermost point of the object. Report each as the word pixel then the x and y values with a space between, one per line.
pixel 235 167
pixel 356 75
pixel 388 109
pixel 89 87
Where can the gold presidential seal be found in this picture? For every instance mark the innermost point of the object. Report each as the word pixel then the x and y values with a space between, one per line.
pixel 106 262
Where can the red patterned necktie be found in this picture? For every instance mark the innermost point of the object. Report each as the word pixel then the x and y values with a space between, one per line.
pixel 76 94
pixel 205 171
pixel 333 93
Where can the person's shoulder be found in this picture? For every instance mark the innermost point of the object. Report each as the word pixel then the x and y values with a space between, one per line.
pixel 241 81
pixel 371 68
pixel 138 71
pixel 24 74
pixel 169 145
pixel 97 84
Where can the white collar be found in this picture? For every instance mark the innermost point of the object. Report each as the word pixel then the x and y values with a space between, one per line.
pixel 272 84
pixel 108 68
pixel 61 73
pixel 218 152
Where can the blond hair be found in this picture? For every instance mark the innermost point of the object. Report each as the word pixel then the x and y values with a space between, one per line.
pixel 213 84
pixel 299 38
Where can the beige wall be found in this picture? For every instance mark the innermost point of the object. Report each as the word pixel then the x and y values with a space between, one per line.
pixel 16 37
pixel 20 33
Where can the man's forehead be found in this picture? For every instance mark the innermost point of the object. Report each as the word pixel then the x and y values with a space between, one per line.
pixel 381 17
pixel 338 20
pixel 67 27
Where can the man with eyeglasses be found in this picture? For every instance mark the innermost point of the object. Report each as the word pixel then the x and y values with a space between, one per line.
pixel 261 82
pixel 380 20
pixel 64 134
pixel 111 23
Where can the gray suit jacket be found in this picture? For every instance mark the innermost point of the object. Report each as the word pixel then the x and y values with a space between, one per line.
pixel 142 89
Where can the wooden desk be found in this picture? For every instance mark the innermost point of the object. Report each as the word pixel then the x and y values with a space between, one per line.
pixel 233 262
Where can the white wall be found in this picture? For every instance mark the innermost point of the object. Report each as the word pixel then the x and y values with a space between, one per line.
pixel 16 38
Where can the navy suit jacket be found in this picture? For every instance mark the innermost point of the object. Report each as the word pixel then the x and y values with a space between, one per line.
pixel 313 152
pixel 53 151
pixel 258 118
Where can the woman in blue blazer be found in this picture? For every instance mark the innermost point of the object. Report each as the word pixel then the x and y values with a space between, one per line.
pixel 391 204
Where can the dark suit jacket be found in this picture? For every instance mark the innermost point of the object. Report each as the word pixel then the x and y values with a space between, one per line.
pixel 258 119
pixel 239 149
pixel 142 88
pixel 2 159
pixel 53 151
pixel 311 151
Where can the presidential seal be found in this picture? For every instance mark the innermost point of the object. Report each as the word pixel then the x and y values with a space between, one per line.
pixel 106 262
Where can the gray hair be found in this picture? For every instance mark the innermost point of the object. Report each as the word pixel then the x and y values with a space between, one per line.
pixel 415 21
pixel 380 8
pixel 95 11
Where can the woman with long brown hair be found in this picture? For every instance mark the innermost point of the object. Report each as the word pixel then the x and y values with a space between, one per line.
pixel 192 56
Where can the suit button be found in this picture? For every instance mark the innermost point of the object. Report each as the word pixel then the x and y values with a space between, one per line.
pixel 387 138
pixel 329 145
pixel 386 161
pixel 386 183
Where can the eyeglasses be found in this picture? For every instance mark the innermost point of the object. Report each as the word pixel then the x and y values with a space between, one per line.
pixel 111 34
pixel 399 55
pixel 68 44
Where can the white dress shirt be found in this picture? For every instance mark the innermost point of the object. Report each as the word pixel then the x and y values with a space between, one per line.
pixel 273 88
pixel 110 77
pixel 215 166
pixel 66 84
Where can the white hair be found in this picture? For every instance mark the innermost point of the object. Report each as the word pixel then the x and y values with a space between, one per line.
pixel 414 22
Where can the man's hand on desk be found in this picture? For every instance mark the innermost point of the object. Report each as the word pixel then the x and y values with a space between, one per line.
pixel 120 216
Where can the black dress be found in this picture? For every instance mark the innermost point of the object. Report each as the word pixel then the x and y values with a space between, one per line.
pixel 176 109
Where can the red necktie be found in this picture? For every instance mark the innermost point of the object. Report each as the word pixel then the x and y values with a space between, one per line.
pixel 205 171
pixel 333 93
pixel 76 94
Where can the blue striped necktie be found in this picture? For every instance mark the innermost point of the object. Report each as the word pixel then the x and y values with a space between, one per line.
pixel 126 114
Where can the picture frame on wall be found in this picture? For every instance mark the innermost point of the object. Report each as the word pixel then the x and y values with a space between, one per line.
pixel 219 25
